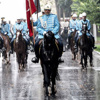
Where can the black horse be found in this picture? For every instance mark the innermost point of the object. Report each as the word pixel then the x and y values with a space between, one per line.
pixel 49 61
pixel 72 45
pixel 85 45
pixel 64 36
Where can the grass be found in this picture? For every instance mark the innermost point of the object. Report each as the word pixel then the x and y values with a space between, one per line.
pixel 98 48
pixel 98 38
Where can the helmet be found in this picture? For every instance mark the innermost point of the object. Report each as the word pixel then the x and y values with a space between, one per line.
pixel 74 15
pixel 61 18
pixel 80 15
pixel 47 7
pixel 83 14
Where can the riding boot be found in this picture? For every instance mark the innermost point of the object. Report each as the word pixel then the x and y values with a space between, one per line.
pixel 60 44
pixel 36 58
pixel 68 46
pixel 93 44
pixel 11 47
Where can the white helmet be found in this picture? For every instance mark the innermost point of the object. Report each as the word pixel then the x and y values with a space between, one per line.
pixel 61 18
pixel 74 15
pixel 83 14
pixel 48 7
pixel 80 15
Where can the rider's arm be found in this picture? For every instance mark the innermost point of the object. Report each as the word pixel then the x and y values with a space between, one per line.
pixel 89 25
pixel 14 29
pixel 57 26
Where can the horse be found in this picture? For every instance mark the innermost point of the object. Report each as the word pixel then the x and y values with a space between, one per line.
pixel 64 36
pixel 20 47
pixel 72 44
pixel 85 46
pixel 48 54
pixel 5 47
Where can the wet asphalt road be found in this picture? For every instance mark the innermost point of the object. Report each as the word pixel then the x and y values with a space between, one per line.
pixel 75 84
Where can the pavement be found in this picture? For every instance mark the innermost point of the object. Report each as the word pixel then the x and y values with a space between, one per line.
pixel 74 84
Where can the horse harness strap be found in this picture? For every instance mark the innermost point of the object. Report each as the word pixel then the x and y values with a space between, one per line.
pixel 56 45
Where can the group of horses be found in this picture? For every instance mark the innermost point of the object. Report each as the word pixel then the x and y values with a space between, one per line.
pixel 20 48
pixel 85 48
pixel 48 54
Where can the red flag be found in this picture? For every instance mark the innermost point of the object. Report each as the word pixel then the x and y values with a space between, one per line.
pixel 33 9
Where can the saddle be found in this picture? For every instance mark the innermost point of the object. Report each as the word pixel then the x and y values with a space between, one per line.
pixel 41 42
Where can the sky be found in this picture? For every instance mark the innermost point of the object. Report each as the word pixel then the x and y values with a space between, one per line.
pixel 13 9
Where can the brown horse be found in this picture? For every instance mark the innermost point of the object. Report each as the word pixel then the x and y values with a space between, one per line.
pixel 6 47
pixel 72 44
pixel 20 48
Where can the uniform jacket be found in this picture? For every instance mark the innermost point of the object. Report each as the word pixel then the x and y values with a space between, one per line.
pixel 48 23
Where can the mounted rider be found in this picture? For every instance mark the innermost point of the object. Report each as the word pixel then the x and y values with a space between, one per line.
pixel 19 26
pixel 89 34
pixel 47 22
pixel 6 29
pixel 78 30
pixel 72 26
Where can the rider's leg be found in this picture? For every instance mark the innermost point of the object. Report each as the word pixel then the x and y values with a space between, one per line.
pixel 76 35
pixel 36 48
pixel 93 40
pixel 12 41
pixel 60 45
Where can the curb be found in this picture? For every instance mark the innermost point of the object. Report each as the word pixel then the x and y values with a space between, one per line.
pixel 97 52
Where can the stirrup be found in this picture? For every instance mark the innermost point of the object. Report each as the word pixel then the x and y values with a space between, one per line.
pixel 35 60
pixel 60 60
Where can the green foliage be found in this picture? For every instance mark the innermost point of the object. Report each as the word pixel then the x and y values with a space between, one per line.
pixel 91 7
pixel 65 4
pixel 98 48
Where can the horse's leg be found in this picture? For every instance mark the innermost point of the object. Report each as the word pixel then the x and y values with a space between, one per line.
pixel 82 57
pixel 91 59
pixel 46 80
pixel 85 59
pixel 54 73
pixel 7 58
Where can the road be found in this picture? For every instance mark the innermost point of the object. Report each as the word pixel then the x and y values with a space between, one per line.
pixel 74 83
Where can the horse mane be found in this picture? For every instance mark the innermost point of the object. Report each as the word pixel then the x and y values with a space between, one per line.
pixel 48 48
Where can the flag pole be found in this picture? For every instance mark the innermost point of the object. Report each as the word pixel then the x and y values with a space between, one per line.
pixel 37 9
pixel 31 21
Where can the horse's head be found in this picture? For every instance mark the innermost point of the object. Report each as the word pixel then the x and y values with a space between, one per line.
pixel 49 40
pixel 84 27
pixel 18 35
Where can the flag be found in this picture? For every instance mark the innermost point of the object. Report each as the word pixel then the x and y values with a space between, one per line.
pixel 37 5
pixel 28 15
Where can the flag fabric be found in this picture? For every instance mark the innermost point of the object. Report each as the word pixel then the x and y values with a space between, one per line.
pixel 28 15
pixel 37 5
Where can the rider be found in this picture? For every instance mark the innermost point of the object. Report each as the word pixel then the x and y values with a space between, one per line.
pixel 18 26
pixel 86 21
pixel 6 29
pixel 72 26
pixel 61 25
pixel 47 22
pixel 78 30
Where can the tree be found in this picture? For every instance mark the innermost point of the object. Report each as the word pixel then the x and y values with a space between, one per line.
pixel 91 7
pixel 65 6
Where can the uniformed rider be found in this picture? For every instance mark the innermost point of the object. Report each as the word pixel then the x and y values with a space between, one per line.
pixel 86 21
pixel 6 29
pixel 47 22
pixel 18 26
pixel 72 27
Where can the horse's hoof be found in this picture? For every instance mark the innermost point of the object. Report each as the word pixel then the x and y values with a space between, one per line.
pixel 53 95
pixel 47 97
pixel 73 59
